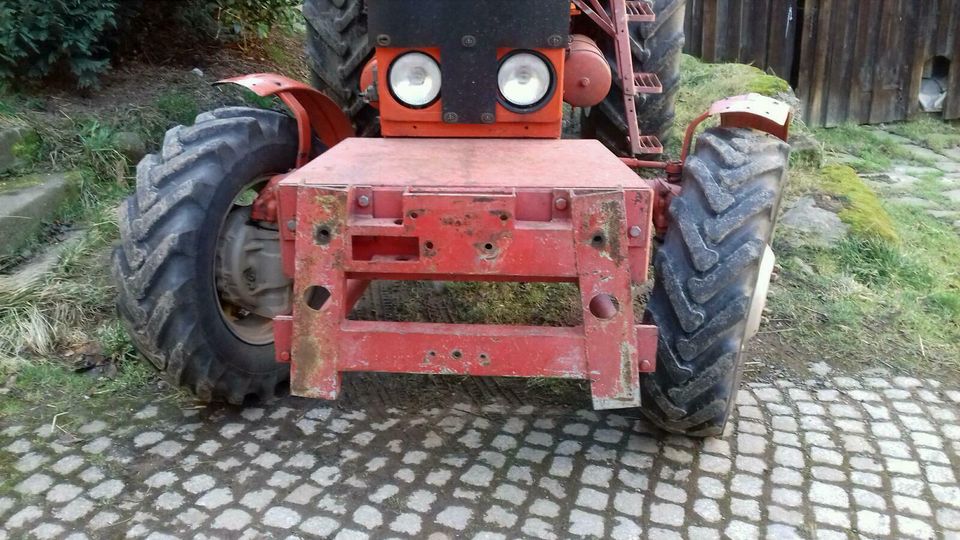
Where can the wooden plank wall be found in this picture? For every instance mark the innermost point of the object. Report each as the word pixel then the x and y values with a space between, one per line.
pixel 857 60
pixel 758 32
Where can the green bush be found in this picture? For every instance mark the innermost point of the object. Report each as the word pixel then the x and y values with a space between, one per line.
pixel 39 38
pixel 255 18
pixel 79 38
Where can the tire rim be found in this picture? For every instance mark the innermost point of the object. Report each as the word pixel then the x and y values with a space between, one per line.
pixel 243 322
pixel 759 300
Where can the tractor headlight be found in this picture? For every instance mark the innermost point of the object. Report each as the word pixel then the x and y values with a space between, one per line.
pixel 525 79
pixel 415 79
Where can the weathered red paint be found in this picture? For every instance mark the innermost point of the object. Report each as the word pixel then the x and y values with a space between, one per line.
pixel 478 210
pixel 264 207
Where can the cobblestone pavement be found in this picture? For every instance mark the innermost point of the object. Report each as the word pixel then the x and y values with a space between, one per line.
pixel 833 457
pixel 934 188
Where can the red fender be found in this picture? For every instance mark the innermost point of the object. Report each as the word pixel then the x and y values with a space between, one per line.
pixel 748 111
pixel 310 107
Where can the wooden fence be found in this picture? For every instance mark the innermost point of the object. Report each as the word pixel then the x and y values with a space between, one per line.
pixel 850 60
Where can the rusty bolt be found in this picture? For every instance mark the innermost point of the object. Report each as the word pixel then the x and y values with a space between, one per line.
pixel 487 118
pixel 363 201
pixel 635 231
pixel 451 117
pixel 560 203
pixel 383 40
pixel 468 40
pixel 292 225
pixel 554 40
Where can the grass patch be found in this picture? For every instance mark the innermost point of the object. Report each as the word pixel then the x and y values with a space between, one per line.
pixel 872 261
pixel 178 108
pixel 871 151
pixel 930 132
pixel 862 209
pixel 701 84
pixel 55 388
pixel 473 302
pixel 873 303
pixel 546 304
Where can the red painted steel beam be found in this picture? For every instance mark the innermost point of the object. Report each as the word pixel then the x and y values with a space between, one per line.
pixel 472 349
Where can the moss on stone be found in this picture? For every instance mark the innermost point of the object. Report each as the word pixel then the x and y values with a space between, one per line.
pixel 28 149
pixel 862 209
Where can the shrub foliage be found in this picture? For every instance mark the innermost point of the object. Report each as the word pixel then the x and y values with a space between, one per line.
pixel 79 38
pixel 39 37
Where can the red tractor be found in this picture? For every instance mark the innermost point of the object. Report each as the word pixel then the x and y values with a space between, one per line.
pixel 253 234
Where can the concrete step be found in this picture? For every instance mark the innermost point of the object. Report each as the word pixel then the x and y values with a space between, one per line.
pixel 27 202
pixel 42 265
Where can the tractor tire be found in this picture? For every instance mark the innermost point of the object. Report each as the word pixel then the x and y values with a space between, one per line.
pixel 164 266
pixel 656 48
pixel 338 48
pixel 707 274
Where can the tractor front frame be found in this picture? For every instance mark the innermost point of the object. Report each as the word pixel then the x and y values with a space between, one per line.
pixel 468 210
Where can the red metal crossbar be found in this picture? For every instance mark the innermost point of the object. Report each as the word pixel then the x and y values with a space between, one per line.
pixel 489 210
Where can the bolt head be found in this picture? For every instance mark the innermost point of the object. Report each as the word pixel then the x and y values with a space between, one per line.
pixel 451 117
pixel 560 203
pixel 468 40
pixel 292 225
pixel 635 231
pixel 645 365
pixel 363 201
pixel 487 118
pixel 285 356
pixel 554 41
pixel 383 40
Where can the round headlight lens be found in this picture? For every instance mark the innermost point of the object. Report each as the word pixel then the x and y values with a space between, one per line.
pixel 524 79
pixel 415 79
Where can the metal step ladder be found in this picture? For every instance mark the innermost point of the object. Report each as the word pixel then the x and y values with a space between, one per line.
pixel 633 83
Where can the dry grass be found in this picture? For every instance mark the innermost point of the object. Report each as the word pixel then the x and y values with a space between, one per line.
pixel 60 309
